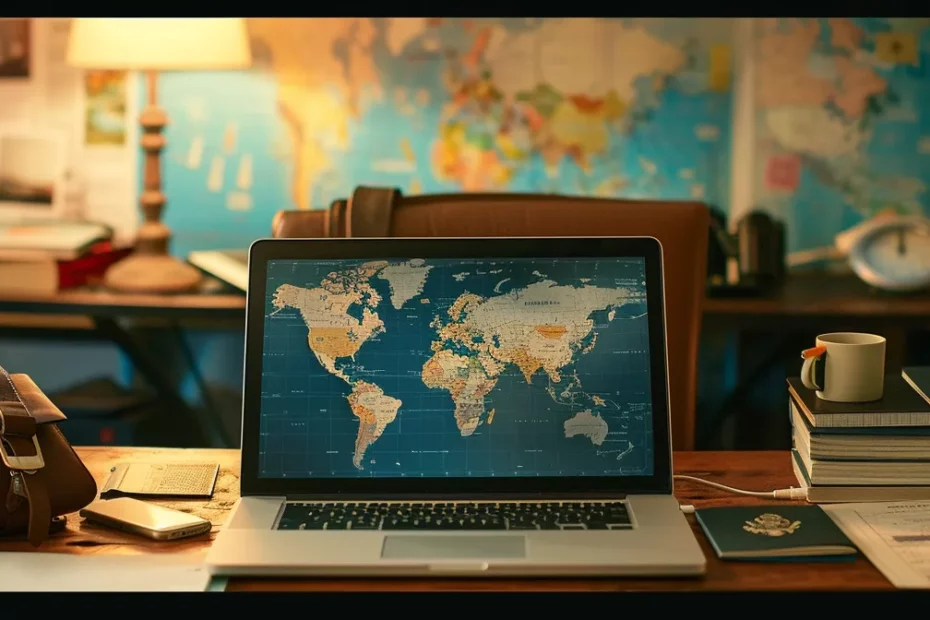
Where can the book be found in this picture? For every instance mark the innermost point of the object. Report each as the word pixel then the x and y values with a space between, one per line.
pixel 900 405
pixel 230 266
pixel 782 532
pixel 894 443
pixel 918 377
pixel 48 275
pixel 58 240
pixel 821 494
pixel 867 473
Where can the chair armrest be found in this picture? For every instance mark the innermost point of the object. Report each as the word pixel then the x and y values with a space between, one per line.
pixel 300 224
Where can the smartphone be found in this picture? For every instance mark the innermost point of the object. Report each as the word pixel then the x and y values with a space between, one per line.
pixel 149 520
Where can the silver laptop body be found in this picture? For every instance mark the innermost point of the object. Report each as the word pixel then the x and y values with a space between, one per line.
pixel 456 407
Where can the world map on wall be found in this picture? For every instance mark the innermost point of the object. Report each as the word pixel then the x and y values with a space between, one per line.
pixel 639 108
pixel 604 107
pixel 842 122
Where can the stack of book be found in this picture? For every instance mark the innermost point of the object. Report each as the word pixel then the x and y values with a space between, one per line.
pixel 49 256
pixel 864 452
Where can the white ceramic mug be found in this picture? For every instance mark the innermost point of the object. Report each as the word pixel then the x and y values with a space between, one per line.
pixel 845 367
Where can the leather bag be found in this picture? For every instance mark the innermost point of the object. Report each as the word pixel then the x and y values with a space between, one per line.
pixel 42 479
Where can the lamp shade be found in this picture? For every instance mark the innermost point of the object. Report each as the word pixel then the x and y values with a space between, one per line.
pixel 159 43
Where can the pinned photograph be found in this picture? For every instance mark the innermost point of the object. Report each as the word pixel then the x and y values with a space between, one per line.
pixel 105 108
pixel 15 54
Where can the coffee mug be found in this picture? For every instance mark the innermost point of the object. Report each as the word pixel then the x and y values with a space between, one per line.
pixel 845 367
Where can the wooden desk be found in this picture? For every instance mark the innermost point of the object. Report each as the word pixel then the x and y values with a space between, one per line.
pixel 95 315
pixel 104 304
pixel 816 296
pixel 804 295
pixel 807 296
pixel 749 470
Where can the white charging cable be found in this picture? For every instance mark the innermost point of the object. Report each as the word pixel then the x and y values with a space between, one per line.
pixel 791 493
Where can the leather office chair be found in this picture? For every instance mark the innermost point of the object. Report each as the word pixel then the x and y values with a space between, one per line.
pixel 681 227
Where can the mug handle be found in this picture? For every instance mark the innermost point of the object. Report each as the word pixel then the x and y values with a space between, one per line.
pixel 809 367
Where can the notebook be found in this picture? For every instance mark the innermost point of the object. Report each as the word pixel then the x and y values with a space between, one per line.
pixel 778 532
pixel 892 443
pixel 230 266
pixel 900 405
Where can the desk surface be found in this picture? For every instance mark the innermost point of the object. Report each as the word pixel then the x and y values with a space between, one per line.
pixel 749 470
pixel 804 295
pixel 823 295
pixel 101 303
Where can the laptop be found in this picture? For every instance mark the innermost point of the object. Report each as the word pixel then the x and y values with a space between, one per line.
pixel 456 407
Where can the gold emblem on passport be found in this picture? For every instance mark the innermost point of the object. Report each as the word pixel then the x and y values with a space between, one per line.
pixel 769 524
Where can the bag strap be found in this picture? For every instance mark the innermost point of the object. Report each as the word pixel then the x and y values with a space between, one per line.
pixel 20 452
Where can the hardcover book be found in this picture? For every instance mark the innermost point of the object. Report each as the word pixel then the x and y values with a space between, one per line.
pixel 900 405
pixel 820 494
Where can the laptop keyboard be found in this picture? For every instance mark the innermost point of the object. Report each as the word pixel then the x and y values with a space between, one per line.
pixel 456 516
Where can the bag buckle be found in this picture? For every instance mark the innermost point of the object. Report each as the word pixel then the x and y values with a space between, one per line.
pixel 20 463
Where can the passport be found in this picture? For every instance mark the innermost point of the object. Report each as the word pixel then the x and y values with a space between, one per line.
pixel 778 532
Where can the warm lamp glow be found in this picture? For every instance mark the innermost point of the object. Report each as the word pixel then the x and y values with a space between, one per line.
pixel 153 44
pixel 159 43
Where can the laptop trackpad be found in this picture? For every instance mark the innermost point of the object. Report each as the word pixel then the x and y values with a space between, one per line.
pixel 453 547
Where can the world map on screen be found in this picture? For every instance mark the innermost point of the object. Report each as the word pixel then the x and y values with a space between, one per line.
pixel 454 367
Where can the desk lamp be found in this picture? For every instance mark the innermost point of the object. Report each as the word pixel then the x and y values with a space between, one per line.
pixel 152 45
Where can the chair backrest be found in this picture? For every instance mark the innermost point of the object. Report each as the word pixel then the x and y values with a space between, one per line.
pixel 680 226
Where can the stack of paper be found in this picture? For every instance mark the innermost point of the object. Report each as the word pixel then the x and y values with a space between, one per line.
pixel 895 536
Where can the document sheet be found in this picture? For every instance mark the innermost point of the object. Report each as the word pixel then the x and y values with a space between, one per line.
pixel 61 572
pixel 894 536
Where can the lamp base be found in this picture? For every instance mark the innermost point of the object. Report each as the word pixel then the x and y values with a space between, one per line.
pixel 158 274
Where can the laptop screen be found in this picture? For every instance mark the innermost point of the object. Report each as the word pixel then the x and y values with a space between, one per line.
pixel 454 368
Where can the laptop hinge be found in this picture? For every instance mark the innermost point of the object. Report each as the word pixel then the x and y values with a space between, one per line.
pixel 455 497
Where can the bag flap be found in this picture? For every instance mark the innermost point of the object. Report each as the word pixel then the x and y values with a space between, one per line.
pixel 42 409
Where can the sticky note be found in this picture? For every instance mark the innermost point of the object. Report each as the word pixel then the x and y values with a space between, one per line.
pixel 407 150
pixel 238 201
pixel 898 48
pixel 783 173
pixel 229 138
pixel 720 68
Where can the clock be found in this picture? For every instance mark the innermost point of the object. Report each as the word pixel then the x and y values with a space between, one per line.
pixel 893 253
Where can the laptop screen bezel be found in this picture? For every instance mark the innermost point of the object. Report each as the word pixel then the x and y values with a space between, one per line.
pixel 265 250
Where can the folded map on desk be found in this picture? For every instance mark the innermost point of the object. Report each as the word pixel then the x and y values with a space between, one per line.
pixel 161 480
pixel 774 533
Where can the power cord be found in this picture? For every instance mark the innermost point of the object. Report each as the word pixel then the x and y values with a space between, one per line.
pixel 792 493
